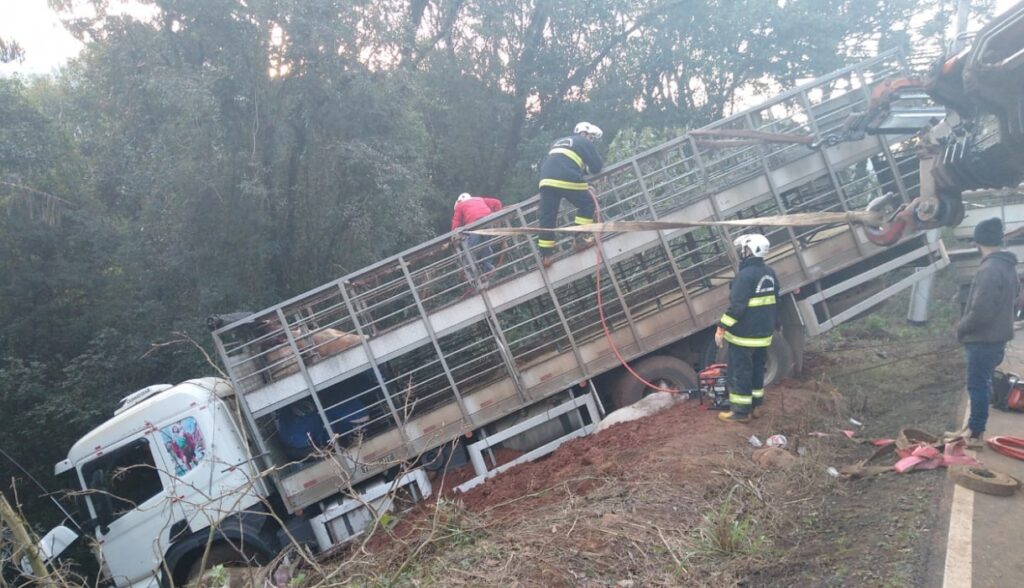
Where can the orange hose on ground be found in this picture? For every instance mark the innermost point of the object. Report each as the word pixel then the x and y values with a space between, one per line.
pixel 1008 446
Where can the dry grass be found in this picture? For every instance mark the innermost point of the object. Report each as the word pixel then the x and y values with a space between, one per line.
pixel 717 528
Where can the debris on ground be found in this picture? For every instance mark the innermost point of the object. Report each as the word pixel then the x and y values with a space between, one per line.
pixel 985 480
pixel 774 457
pixel 912 450
pixel 645 407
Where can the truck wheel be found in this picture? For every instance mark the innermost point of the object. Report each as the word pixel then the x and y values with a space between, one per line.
pixel 777 367
pixel 220 554
pixel 660 370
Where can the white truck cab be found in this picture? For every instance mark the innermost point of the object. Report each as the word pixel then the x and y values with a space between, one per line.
pixel 171 462
pixel 175 461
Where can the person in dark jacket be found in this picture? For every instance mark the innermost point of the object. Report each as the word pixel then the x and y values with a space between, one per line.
pixel 468 210
pixel 561 173
pixel 987 323
pixel 748 325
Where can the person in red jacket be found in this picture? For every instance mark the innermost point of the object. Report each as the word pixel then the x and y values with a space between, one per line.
pixel 468 210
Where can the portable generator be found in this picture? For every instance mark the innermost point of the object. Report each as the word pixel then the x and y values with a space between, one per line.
pixel 714 386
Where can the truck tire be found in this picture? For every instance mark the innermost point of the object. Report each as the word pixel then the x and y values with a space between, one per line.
pixel 778 366
pixel 220 554
pixel 661 370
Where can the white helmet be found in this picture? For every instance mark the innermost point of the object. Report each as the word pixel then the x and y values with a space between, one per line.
pixel 757 244
pixel 462 197
pixel 588 128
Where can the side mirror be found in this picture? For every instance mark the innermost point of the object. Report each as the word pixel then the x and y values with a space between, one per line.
pixel 51 545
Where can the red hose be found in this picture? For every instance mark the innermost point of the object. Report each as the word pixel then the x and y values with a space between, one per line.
pixel 1008 446
pixel 600 309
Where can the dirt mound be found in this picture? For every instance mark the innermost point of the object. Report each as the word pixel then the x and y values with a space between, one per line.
pixel 672 442
pixel 680 444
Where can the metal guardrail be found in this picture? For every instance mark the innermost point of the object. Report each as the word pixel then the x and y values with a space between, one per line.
pixel 411 334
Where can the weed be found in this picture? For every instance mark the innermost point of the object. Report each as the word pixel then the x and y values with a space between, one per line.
pixel 724 533
pixel 456 523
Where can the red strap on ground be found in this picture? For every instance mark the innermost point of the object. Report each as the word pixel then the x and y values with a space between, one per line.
pixel 922 456
pixel 1008 446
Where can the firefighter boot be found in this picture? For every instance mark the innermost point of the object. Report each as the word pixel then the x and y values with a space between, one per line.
pixel 584 242
pixel 755 413
pixel 734 417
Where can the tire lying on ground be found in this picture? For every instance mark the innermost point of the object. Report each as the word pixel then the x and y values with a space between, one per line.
pixel 777 367
pixel 984 480
pixel 661 370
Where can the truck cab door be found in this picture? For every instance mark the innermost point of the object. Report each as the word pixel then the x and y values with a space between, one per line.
pixel 210 472
pixel 133 509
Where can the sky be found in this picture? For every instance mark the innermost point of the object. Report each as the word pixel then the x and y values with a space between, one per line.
pixel 47 45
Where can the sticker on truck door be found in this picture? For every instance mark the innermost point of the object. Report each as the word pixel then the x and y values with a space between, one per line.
pixel 183 442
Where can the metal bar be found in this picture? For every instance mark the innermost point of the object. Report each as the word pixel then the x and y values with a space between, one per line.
pixel 1011 62
pixel 723 234
pixel 554 301
pixel 615 281
pixel 246 413
pixel 916 253
pixel 476 449
pixel 618 293
pixel 882 295
pixel 433 339
pixel 495 326
pixel 597 400
pixel 714 144
pixel 364 342
pixel 310 386
pixel 760 136
pixel 665 246
pixel 749 120
pixel 823 152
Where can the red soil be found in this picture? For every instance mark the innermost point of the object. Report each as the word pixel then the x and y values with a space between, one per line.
pixel 676 442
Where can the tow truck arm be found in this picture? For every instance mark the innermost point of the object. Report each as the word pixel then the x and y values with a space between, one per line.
pixel 978 144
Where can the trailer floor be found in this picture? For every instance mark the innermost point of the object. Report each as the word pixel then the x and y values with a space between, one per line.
pixel 676 499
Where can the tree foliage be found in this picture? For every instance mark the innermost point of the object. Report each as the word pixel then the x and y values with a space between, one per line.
pixel 216 155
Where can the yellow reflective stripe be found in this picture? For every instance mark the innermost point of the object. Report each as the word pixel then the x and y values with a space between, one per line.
pixel 728 320
pixel 761 300
pixel 737 399
pixel 748 341
pixel 550 183
pixel 582 220
pixel 545 243
pixel 757 393
pixel 568 153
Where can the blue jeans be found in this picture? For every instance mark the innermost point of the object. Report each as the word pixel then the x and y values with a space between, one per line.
pixel 982 359
pixel 482 247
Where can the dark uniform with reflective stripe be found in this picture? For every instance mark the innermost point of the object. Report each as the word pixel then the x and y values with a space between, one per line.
pixel 749 323
pixel 561 172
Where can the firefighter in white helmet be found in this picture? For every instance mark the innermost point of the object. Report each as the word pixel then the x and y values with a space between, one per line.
pixel 568 160
pixel 747 326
